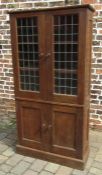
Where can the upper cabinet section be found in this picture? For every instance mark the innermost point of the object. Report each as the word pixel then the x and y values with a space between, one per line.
pixel 50 53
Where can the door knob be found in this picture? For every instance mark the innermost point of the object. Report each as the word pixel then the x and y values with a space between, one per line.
pixel 50 126
pixel 48 55
pixel 44 127
pixel 41 54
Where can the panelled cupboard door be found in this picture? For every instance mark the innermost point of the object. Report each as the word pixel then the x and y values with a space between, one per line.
pixel 33 125
pixel 29 117
pixel 66 126
pixel 28 45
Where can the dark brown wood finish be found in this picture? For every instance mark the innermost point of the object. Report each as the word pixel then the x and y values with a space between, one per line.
pixel 70 118
pixel 54 126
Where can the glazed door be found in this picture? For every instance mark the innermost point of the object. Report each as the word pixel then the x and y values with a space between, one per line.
pixel 65 30
pixel 28 44
pixel 65 45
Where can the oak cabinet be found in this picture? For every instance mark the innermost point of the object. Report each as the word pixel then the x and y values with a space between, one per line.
pixel 51 58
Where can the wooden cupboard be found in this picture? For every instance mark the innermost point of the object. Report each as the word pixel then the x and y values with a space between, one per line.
pixel 51 51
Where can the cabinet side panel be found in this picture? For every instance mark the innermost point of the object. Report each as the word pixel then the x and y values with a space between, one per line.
pixel 87 76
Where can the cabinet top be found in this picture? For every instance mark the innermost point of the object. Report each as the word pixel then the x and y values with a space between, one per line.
pixel 85 6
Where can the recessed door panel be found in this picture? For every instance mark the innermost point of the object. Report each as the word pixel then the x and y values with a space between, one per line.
pixel 30 118
pixel 65 130
pixel 31 124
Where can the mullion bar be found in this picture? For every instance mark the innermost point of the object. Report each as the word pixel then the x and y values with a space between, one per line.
pixel 33 60
pixel 71 54
pixel 22 48
pixel 27 33
pixel 23 55
pixel 59 21
pixel 65 65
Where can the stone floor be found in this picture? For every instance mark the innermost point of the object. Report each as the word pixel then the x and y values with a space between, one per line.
pixel 12 163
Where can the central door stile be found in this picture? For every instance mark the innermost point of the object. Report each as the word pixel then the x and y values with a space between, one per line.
pixel 49 57
pixel 42 51
pixel 45 77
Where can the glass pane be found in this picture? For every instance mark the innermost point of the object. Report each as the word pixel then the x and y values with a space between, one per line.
pixel 66 54
pixel 28 53
pixel 29 79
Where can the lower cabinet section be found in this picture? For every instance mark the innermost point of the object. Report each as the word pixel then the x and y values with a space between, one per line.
pixel 51 132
